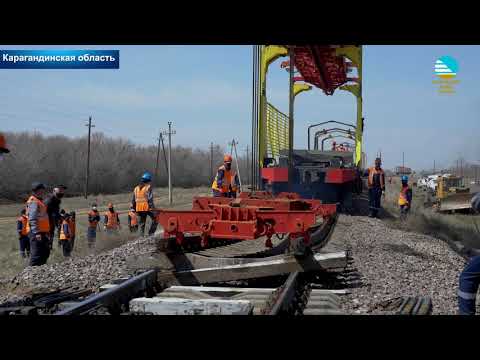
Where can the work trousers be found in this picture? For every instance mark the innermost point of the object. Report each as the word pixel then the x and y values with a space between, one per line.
pixel 39 250
pixel 66 247
pixel 217 193
pixel 133 228
pixel 374 200
pixel 91 236
pixel 468 287
pixel 142 220
pixel 24 246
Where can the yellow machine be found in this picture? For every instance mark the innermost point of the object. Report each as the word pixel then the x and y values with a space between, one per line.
pixel 452 195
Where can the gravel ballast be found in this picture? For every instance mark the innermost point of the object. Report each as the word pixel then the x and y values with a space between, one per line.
pixel 394 263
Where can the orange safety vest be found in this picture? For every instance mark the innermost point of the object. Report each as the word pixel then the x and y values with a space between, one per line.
pixel 228 176
pixel 42 221
pixel 24 221
pixel 64 236
pixel 141 201
pixel 402 197
pixel 371 172
pixel 93 224
pixel 133 218
pixel 112 222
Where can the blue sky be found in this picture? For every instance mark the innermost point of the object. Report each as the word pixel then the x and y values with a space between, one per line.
pixel 206 92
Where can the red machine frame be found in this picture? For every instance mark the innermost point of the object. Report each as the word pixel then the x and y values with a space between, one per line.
pixel 249 217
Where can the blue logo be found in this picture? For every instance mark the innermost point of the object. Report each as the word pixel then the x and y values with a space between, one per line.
pixel 446 67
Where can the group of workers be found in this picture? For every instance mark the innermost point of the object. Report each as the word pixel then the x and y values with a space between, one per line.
pixel 42 216
pixel 36 224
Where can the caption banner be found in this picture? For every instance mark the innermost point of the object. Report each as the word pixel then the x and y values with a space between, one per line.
pixel 59 59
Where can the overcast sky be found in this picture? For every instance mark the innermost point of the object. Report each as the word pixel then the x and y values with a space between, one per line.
pixel 206 92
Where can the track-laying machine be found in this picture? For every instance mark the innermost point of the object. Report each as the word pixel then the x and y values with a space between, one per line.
pixel 293 193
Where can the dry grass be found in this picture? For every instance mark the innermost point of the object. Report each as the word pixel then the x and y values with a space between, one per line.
pixel 11 262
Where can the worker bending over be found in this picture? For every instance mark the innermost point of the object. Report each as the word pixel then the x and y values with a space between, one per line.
pixel 405 197
pixel 22 222
pixel 226 183
pixel 111 220
pixel 132 220
pixel 93 220
pixel 376 187
pixel 143 204
pixel 38 226
pixel 66 235
pixel 470 277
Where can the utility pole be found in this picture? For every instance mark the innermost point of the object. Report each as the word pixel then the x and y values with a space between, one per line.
pixel 290 120
pixel 88 155
pixel 248 170
pixel 169 133
pixel 164 153
pixel 403 159
pixel 211 159
pixel 158 155
pixel 434 166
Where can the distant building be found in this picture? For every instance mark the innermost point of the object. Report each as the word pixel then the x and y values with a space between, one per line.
pixel 402 170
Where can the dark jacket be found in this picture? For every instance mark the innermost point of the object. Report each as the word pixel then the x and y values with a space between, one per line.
pixel 53 209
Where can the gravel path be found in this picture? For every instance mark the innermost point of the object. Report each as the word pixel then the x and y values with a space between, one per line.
pixel 394 263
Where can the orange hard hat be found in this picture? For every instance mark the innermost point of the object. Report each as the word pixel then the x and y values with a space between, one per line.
pixel 227 158
pixel 3 144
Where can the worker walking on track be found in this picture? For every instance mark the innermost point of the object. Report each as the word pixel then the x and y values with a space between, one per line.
pixel 38 226
pixel 226 183
pixel 66 235
pixel 22 222
pixel 132 220
pixel 376 187
pixel 405 198
pixel 111 221
pixel 93 220
pixel 469 280
pixel 143 204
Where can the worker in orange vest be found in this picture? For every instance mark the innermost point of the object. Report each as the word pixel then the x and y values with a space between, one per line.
pixel 405 197
pixel 73 228
pixel 142 202
pixel 111 220
pixel 38 226
pixel 93 220
pixel 132 220
pixel 23 234
pixel 376 187
pixel 66 235
pixel 3 146
pixel 226 182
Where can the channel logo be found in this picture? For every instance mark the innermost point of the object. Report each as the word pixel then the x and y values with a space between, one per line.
pixel 446 67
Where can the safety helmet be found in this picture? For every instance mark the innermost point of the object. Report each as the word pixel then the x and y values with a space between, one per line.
pixel 3 144
pixel 147 176
pixel 227 158
pixel 405 178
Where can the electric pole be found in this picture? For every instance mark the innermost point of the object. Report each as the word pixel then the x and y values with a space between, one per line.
pixel 290 120
pixel 158 155
pixel 88 155
pixel 164 153
pixel 169 133
pixel 434 166
pixel 248 169
pixel 403 160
